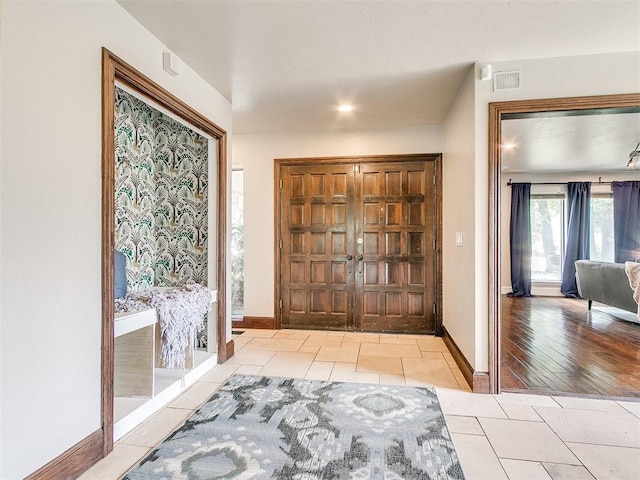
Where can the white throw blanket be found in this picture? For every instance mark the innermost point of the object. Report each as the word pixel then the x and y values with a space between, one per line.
pixel 181 314
pixel 632 269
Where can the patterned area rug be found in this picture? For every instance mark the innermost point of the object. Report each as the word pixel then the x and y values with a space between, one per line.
pixel 265 427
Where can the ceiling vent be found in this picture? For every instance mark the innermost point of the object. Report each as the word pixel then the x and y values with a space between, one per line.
pixel 506 80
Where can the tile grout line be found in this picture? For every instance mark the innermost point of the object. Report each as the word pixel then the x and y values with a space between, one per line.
pixel 454 375
pixel 600 445
pixel 556 434
pixel 581 463
pixel 491 444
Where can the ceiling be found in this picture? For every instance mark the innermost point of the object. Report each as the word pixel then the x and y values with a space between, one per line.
pixel 286 65
pixel 599 142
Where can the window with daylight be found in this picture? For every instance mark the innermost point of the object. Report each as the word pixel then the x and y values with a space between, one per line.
pixel 547 237
pixel 237 244
pixel 601 241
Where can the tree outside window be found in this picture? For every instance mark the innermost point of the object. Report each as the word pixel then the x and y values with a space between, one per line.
pixel 548 234
pixel 237 243
pixel 547 237
pixel 602 245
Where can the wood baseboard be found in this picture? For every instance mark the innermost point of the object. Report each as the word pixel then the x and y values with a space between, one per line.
pixel 73 462
pixel 478 381
pixel 228 352
pixel 231 346
pixel 268 323
pixel 481 382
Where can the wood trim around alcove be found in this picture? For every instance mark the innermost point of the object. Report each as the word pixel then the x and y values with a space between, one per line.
pixel 497 110
pixel 115 69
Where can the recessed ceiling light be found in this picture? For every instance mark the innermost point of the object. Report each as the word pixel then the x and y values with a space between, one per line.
pixel 345 108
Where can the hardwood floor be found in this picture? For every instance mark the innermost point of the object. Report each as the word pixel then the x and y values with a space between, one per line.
pixel 554 344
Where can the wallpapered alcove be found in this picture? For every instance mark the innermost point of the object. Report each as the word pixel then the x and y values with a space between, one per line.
pixel 161 197
pixel 161 216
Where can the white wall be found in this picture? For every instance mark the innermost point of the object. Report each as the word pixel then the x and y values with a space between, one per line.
pixel 541 78
pixel 50 213
pixel 255 153
pixel 459 281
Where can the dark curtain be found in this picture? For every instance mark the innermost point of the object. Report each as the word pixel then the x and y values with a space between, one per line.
pixel 626 221
pixel 577 235
pixel 520 240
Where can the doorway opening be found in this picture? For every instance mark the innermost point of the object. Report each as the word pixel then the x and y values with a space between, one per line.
pixel 115 70
pixel 575 313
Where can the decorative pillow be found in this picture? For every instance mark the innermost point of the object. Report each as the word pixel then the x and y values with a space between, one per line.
pixel 120 276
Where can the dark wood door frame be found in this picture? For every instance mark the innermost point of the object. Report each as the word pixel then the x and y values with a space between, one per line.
pixel 497 112
pixel 281 162
pixel 115 69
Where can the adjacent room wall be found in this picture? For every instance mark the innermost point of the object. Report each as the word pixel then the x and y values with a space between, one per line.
pixel 255 153
pixel 50 213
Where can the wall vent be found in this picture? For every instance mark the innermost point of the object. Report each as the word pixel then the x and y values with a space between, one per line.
pixel 506 80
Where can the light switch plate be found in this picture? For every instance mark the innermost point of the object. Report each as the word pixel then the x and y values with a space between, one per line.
pixel 459 239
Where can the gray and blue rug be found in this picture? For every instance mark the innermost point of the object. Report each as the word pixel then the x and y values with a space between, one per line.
pixel 265 427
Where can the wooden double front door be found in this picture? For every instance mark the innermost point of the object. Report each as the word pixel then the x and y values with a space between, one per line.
pixel 358 243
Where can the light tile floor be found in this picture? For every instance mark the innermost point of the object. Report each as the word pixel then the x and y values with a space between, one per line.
pixel 507 436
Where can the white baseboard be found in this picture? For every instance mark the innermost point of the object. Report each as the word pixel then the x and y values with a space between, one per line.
pixel 541 290
pixel 546 290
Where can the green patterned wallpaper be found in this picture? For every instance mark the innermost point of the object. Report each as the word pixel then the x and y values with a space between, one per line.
pixel 161 196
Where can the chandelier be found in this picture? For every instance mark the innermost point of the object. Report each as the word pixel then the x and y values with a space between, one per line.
pixel 634 158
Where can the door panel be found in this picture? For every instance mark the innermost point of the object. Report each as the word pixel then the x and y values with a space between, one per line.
pixel 317 234
pixel 393 203
pixel 358 246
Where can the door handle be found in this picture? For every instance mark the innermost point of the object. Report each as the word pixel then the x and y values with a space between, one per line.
pixel 360 257
pixel 349 257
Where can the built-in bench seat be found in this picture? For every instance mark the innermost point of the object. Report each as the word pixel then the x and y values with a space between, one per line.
pixel 135 351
